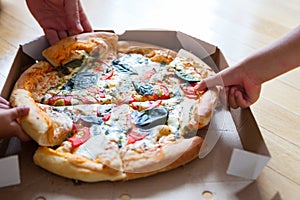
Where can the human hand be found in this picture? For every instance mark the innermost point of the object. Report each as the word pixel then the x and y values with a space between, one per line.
pixel 241 89
pixel 59 18
pixel 9 127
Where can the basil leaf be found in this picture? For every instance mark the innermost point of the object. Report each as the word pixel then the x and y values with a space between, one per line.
pixel 185 76
pixel 62 71
pixel 91 120
pixel 150 118
pixel 123 67
pixel 143 88
pixel 82 80
pixel 74 63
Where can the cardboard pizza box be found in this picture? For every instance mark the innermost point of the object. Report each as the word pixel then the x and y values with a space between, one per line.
pixel 234 156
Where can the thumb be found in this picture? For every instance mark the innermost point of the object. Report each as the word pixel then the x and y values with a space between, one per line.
pixel 18 112
pixel 210 82
pixel 227 77
pixel 201 86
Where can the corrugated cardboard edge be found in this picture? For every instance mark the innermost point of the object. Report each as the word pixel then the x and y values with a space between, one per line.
pixel 248 163
pixel 247 128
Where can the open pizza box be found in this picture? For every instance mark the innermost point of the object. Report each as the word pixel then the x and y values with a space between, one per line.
pixel 233 158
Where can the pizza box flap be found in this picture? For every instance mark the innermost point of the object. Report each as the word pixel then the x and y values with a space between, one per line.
pixel 248 145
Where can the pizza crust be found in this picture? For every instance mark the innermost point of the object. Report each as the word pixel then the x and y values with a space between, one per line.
pixel 37 123
pixel 170 156
pixel 204 110
pixel 46 130
pixel 73 47
pixel 155 53
pixel 75 167
pixel 37 79
pixel 136 165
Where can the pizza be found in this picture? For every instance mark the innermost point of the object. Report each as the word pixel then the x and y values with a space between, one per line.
pixel 103 109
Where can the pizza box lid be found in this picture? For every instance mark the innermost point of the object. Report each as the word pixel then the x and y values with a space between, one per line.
pixel 234 157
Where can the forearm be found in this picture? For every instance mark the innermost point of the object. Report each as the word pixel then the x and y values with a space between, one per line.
pixel 275 59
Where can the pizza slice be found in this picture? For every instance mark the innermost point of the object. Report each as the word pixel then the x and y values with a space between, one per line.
pixel 102 45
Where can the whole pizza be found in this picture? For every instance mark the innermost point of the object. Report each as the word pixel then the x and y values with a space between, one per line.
pixel 103 109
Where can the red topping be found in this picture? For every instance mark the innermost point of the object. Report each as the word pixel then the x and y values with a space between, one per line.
pixel 132 137
pixel 106 117
pixel 150 105
pixel 108 75
pixel 55 99
pixel 147 75
pixel 80 136
pixel 189 91
pixel 97 91
pixel 161 92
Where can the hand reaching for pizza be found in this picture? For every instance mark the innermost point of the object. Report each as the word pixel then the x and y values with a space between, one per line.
pixel 59 18
pixel 244 80
pixel 9 127
pixel 242 90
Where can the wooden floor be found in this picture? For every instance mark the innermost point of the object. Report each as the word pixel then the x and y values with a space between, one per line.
pixel 238 28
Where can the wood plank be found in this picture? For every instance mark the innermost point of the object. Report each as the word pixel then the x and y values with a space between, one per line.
pixel 292 78
pixel 20 12
pixel 277 120
pixel 14 31
pixel 285 156
pixel 7 52
pixel 282 94
pixel 277 12
pixel 274 186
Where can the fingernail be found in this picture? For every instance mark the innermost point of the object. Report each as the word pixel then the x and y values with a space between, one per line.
pixel 79 28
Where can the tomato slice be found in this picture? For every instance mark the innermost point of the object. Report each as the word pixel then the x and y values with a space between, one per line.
pixel 80 137
pixel 133 136
pixel 145 105
pixel 160 92
pixel 189 90
pixel 106 117
pixel 60 100
pixel 108 75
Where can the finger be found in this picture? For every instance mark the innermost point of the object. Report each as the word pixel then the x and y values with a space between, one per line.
pixel 16 112
pixel 62 34
pixel 231 97
pixel 74 32
pixel 3 101
pixel 210 82
pixel 72 12
pixel 86 25
pixel 84 20
pixel 4 106
pixel 19 132
pixel 201 86
pixel 23 136
pixel 240 99
pixel 51 35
